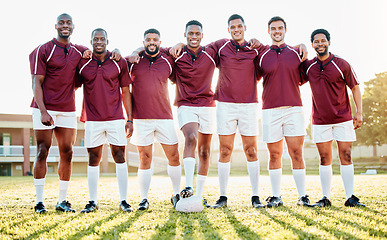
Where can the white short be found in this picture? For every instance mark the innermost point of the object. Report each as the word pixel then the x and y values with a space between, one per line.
pixel 280 122
pixel 98 133
pixel 242 115
pixel 145 130
pixel 204 116
pixel 61 119
pixel 342 132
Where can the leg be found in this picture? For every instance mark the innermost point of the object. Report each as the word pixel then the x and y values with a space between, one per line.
pixel 204 149
pixel 144 172
pixel 66 140
pixel 174 167
pixel 295 147
pixel 95 155
pixel 275 166
pixel 190 131
pixel 346 167
pixel 118 153
pixel 226 143
pixel 325 168
pixel 250 148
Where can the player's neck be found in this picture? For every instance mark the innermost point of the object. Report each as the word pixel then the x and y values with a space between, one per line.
pixel 63 40
pixel 153 55
pixel 278 43
pixel 195 50
pixel 100 56
pixel 323 57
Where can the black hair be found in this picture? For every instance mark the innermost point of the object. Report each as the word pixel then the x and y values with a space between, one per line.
pixel 320 30
pixel 275 19
pixel 98 30
pixel 235 16
pixel 64 15
pixel 193 22
pixel 152 30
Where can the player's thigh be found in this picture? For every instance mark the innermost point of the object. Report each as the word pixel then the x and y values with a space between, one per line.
pixel 187 114
pixel 272 122
pixel 95 134
pixel 226 118
pixel 294 122
pixel 344 132
pixel 37 122
pixel 248 119
pixel 322 133
pixel 165 132
pixel 206 119
pixel 115 132
pixel 143 132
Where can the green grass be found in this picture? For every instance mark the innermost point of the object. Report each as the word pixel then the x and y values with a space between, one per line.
pixel 238 221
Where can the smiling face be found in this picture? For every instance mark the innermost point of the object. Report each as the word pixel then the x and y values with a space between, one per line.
pixel 277 32
pixel 194 36
pixel 152 43
pixel 64 26
pixel 237 30
pixel 321 44
pixel 99 42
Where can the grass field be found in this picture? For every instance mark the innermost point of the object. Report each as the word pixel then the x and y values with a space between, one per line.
pixel 238 221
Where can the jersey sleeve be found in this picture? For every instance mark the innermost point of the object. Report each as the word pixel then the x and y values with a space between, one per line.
pixel 38 61
pixel 303 68
pixel 217 44
pixel 124 77
pixel 350 77
pixel 81 48
pixel 166 51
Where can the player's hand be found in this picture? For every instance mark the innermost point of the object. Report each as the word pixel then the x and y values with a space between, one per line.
pixel 116 55
pixel 303 52
pixel 176 50
pixel 129 129
pixel 254 43
pixel 46 119
pixel 87 54
pixel 357 120
pixel 134 58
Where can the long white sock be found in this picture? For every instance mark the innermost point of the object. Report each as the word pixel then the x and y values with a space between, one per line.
pixel 275 180
pixel 92 180
pixel 39 188
pixel 200 181
pixel 63 187
pixel 189 170
pixel 122 179
pixel 299 178
pixel 144 180
pixel 253 170
pixel 174 173
pixel 223 174
pixel 348 176
pixel 326 179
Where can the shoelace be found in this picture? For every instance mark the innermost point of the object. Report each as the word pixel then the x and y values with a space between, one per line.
pixel 125 204
pixel 269 199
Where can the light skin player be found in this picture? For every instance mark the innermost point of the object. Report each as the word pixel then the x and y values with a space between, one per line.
pixel 102 124
pixel 331 116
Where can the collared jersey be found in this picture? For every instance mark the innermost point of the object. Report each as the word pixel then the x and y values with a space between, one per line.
pixel 150 87
pixel 193 75
pixel 237 82
pixel 102 83
pixel 328 81
pixel 57 62
pixel 280 69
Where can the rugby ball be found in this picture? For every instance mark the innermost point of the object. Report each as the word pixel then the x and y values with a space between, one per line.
pixel 191 204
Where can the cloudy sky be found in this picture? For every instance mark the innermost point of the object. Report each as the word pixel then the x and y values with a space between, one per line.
pixel 358 31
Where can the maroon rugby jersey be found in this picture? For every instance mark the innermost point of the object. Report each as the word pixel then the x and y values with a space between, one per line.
pixel 58 63
pixel 237 81
pixel 281 72
pixel 150 87
pixel 102 82
pixel 328 81
pixel 194 77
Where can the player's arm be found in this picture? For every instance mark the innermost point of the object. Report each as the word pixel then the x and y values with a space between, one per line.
pixel 357 119
pixel 37 81
pixel 135 56
pixel 127 101
pixel 176 50
pixel 116 55
pixel 303 51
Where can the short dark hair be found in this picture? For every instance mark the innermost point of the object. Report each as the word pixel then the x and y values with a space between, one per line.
pixel 275 19
pixel 235 16
pixel 98 30
pixel 193 22
pixel 152 30
pixel 64 15
pixel 320 30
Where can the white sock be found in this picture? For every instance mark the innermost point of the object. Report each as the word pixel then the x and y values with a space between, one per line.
pixel 39 188
pixel 223 174
pixel 348 175
pixel 253 170
pixel 200 181
pixel 63 187
pixel 92 180
pixel 299 178
pixel 189 170
pixel 275 180
pixel 174 173
pixel 122 179
pixel 144 180
pixel 326 179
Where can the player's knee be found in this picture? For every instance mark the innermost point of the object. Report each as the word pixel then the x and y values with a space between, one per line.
pixel 119 156
pixel 225 151
pixel 251 152
pixel 66 153
pixel 345 157
pixel 191 139
pixel 43 150
pixel 275 156
pixel 325 159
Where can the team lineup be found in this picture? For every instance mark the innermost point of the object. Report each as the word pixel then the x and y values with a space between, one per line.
pixel 128 98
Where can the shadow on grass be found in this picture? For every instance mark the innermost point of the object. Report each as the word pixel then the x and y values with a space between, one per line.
pixel 243 231
pixel 168 230
pixel 114 233
pixel 286 225
pixel 36 234
pixel 333 230
pixel 365 209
